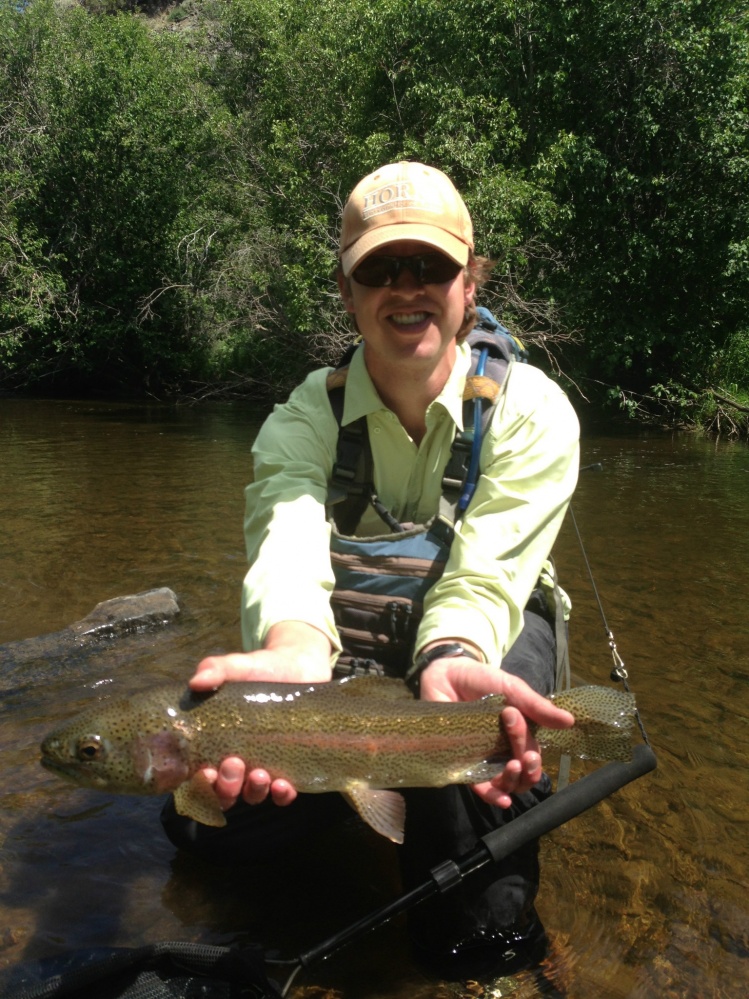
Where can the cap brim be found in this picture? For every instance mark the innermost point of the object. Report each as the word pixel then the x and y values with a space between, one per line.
pixel 443 241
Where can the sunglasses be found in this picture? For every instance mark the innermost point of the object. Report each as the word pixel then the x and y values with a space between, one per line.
pixel 427 268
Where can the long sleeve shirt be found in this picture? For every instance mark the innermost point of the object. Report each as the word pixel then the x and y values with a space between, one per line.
pixel 529 464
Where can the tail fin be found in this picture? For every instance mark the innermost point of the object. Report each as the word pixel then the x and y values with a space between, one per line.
pixel 603 724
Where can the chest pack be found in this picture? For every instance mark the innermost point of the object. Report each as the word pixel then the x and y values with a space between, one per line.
pixel 381 581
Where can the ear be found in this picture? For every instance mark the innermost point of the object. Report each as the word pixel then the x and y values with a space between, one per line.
pixel 469 290
pixel 344 287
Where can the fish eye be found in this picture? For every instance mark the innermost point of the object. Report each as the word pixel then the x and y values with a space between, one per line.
pixel 89 748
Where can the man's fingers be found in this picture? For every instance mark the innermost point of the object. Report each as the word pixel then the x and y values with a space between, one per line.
pixel 516 730
pixel 509 780
pixel 209 675
pixel 465 680
pixel 492 795
pixel 229 780
pixel 213 671
pixel 259 785
pixel 522 771
pixel 282 792
pixel 539 709
pixel 532 767
pixel 256 786
pixel 517 777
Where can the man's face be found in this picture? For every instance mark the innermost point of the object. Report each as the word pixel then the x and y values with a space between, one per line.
pixel 408 322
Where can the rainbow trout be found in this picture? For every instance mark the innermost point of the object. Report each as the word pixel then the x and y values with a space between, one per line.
pixel 362 736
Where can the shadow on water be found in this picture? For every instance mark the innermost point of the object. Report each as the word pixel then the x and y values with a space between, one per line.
pixel 646 895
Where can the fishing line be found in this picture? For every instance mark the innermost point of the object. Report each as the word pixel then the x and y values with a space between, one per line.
pixel 619 671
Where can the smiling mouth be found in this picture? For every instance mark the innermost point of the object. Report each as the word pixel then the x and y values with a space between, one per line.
pixel 405 319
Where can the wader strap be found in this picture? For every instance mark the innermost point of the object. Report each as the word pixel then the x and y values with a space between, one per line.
pixel 479 400
pixel 352 480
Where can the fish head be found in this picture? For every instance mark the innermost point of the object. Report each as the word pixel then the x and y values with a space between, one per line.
pixel 115 748
pixel 86 756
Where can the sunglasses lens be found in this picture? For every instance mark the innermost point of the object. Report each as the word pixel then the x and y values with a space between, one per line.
pixel 436 268
pixel 376 272
pixel 427 268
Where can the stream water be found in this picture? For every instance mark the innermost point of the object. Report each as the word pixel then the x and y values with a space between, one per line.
pixel 645 895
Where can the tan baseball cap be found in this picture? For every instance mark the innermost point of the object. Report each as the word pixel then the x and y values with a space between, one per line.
pixel 405 201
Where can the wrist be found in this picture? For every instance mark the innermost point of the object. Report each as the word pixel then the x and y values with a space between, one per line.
pixel 447 649
pixel 468 649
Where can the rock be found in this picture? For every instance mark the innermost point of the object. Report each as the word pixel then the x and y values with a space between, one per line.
pixel 108 620
pixel 121 615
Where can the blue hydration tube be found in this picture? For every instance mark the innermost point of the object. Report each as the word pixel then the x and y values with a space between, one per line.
pixel 469 486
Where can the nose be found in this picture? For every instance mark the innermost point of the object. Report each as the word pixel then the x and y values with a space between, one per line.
pixel 407 281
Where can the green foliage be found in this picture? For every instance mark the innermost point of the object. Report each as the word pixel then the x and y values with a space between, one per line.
pixel 647 120
pixel 325 94
pixel 601 149
pixel 171 200
pixel 111 134
pixel 731 370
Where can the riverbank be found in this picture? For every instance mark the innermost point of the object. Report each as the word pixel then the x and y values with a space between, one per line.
pixel 711 412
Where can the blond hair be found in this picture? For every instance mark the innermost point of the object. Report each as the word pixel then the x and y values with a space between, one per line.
pixel 479 270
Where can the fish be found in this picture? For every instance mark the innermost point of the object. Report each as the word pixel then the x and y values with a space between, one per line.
pixel 365 737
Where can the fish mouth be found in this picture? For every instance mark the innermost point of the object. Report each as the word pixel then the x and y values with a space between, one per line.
pixel 67 770
pixel 57 768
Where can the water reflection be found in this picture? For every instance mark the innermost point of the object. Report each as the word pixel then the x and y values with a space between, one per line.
pixel 646 895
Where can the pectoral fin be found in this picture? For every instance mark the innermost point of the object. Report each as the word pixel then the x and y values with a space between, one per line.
pixel 384 811
pixel 196 800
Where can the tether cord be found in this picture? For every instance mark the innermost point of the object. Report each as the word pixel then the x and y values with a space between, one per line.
pixel 619 672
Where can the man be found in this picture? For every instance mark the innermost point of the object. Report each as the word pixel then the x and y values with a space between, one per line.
pixel 408 276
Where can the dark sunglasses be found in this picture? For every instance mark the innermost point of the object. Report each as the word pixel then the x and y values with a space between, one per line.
pixel 427 268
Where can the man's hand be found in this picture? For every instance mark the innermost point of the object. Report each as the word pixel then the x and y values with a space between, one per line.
pixel 462 679
pixel 293 651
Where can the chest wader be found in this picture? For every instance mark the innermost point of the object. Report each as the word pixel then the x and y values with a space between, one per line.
pixel 381 581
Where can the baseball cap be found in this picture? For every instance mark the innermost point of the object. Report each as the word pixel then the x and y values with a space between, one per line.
pixel 405 201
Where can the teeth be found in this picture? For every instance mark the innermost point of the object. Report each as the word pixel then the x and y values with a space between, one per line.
pixel 409 318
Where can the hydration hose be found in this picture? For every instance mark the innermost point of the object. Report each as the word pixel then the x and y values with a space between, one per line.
pixel 469 486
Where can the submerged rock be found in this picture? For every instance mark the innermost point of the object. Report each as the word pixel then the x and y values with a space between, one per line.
pixel 108 620
pixel 121 615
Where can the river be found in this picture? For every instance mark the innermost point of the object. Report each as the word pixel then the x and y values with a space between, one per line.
pixel 645 895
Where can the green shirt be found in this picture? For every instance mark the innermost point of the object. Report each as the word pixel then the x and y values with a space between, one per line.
pixel 529 464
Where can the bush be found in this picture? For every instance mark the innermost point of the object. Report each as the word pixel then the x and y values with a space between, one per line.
pixel 112 134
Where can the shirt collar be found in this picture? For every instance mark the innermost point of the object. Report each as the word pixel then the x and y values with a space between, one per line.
pixel 363 398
